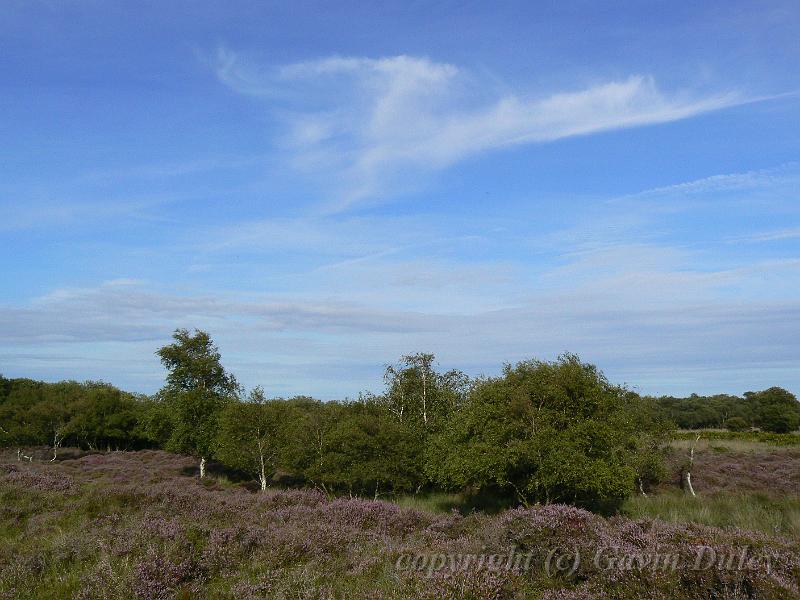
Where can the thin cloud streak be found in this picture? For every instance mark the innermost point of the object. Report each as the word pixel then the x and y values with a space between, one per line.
pixel 371 120
pixel 608 305
pixel 771 236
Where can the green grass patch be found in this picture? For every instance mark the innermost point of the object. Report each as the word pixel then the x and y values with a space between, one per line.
pixel 753 512
pixel 489 502
pixel 762 437
pixel 432 503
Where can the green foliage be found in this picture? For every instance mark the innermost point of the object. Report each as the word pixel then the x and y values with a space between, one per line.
pixel 736 424
pixel 653 433
pixel 107 418
pixel 774 409
pixel 193 416
pixel 91 414
pixel 252 436
pixel 549 432
pixel 196 391
pixel 778 410
pixel 418 402
pixel 417 395
pixel 355 447
pixel 33 413
pixel 193 363
pixel 542 432
pixel 366 450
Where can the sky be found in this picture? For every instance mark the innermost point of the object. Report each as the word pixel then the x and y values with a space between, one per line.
pixel 325 187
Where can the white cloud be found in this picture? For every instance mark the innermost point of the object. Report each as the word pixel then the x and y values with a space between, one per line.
pixel 751 184
pixel 370 120
pixel 772 236
pixel 612 282
pixel 628 309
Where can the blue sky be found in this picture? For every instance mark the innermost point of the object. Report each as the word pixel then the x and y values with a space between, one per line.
pixel 327 187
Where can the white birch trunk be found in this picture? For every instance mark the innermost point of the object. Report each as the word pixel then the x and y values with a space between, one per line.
pixel 202 467
pixel 263 475
pixel 57 439
pixel 691 464
pixel 424 396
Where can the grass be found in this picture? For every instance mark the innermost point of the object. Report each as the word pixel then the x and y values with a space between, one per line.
pixel 436 503
pixel 757 511
pixel 772 515
pixel 442 502
pixel 746 481
pixel 141 525
pixel 723 445
pixel 722 435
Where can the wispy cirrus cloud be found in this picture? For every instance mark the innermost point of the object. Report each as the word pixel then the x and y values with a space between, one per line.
pixel 370 120
pixel 772 236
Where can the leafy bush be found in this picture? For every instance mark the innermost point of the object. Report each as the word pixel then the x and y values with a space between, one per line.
pixel 774 409
pixel 736 424
pixel 548 432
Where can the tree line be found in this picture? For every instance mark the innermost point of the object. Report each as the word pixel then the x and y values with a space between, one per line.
pixel 541 431
pixel 775 410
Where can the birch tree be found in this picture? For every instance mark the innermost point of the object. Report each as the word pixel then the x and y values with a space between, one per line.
pixel 197 388
pixel 417 394
pixel 250 436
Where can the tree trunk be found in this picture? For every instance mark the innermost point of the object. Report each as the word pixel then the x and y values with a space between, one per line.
pixel 202 467
pixel 57 439
pixel 691 464
pixel 424 397
pixel 263 476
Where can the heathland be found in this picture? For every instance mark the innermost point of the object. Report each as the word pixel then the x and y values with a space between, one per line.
pixel 547 481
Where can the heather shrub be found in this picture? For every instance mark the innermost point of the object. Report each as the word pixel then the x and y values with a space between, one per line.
pixel 103 581
pixel 103 538
pixel 470 585
pixel 582 592
pixel 157 577
pixel 40 481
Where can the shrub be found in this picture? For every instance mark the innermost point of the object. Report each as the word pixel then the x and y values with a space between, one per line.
pixel 549 432
pixel 736 424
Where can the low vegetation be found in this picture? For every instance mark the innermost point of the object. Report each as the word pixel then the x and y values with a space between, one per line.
pixel 204 490
pixel 744 437
pixel 144 525
pixel 752 511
